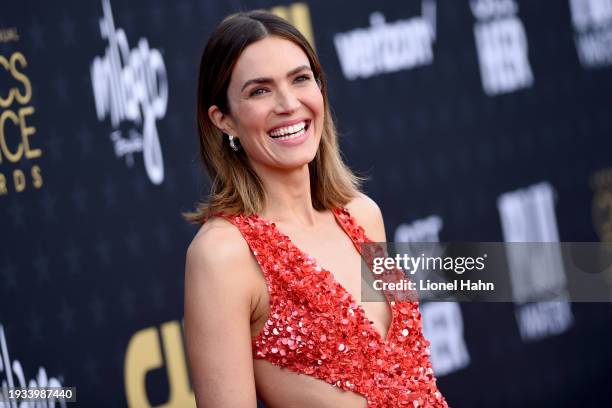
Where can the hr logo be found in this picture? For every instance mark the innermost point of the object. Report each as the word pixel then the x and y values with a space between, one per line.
pixel 501 43
pixel 131 85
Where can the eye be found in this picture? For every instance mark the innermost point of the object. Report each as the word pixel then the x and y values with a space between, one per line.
pixel 258 91
pixel 303 78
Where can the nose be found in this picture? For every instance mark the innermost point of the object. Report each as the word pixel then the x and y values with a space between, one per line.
pixel 286 101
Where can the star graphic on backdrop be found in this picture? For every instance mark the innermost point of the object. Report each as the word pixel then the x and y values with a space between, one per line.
pixel 421 120
pixel 180 280
pixel 485 154
pixel 34 324
pixel 9 273
pixel 184 12
pixel 179 66
pixel 441 165
pixel 66 317
pixel 93 25
pixel 418 171
pixel 481 200
pixel 98 309
pixel 37 34
pixel 79 199
pixel 395 177
pixel 127 301
pixel 466 109
pixel 209 9
pixel 41 265
pixel 92 372
pixel 48 202
pixel 109 189
pixel 460 208
pixel 373 131
pixel 72 255
pixel 15 210
pixel 445 116
pixel 528 144
pixel 67 28
pixel 53 145
pixel 126 20
pixel 464 159
pixel 119 360
pixel 134 243
pixel 156 291
pixel 6 48
pixel 86 83
pixel 139 186
pixel 103 249
pixel 60 84
pixel 162 234
pixel 170 181
pixel 173 126
pixel 156 12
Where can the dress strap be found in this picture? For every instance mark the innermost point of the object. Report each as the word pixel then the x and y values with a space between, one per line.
pixel 370 252
pixel 350 226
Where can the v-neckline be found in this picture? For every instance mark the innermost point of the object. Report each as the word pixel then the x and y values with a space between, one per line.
pixel 333 279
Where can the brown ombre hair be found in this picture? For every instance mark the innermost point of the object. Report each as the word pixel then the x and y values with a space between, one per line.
pixel 235 187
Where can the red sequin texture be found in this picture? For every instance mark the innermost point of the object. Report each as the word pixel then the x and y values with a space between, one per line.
pixel 315 326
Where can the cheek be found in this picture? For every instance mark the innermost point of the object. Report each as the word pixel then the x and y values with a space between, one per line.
pixel 314 101
pixel 252 118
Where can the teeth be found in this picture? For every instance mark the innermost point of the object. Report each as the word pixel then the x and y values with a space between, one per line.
pixel 288 129
pixel 292 136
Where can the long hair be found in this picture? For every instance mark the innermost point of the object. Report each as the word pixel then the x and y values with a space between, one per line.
pixel 235 187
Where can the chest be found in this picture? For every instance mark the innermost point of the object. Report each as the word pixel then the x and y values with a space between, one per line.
pixel 335 252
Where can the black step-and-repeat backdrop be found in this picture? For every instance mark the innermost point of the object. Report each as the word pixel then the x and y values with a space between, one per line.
pixel 482 120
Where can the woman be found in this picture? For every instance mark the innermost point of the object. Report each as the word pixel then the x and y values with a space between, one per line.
pixel 273 275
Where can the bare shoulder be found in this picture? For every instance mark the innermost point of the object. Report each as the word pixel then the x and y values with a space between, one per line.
pixel 219 252
pixel 367 214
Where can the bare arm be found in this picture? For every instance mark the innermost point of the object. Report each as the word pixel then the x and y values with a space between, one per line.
pixel 218 293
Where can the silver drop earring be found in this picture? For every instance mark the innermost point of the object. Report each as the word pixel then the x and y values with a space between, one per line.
pixel 232 142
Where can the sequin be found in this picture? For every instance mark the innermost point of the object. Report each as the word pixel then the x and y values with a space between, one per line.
pixel 315 327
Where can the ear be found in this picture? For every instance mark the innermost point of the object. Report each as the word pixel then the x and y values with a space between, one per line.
pixel 221 120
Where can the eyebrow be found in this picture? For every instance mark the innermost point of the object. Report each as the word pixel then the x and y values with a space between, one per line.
pixel 268 80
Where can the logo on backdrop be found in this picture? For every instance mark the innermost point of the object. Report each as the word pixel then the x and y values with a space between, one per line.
pixel 144 354
pixel 18 146
pixel 592 21
pixel 528 215
pixel 298 14
pixel 442 321
pixel 12 374
pixel 601 182
pixel 131 86
pixel 501 43
pixel 388 46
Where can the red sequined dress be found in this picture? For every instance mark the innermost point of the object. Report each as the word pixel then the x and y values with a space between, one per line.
pixel 315 326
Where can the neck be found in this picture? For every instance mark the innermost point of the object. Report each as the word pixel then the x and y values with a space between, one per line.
pixel 288 196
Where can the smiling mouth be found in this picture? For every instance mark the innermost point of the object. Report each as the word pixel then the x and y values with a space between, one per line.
pixel 290 132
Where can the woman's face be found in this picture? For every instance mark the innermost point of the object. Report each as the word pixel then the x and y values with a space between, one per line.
pixel 276 106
